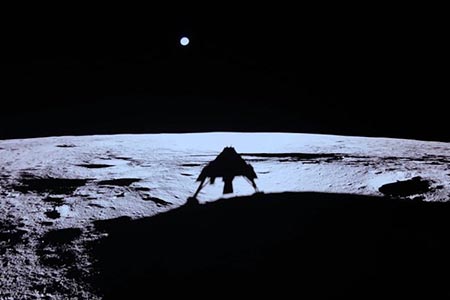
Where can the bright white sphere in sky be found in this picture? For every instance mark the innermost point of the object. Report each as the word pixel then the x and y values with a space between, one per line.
pixel 184 41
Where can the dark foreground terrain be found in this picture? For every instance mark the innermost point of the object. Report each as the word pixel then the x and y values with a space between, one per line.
pixel 312 245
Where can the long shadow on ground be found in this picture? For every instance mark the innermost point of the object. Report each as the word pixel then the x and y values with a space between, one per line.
pixel 315 245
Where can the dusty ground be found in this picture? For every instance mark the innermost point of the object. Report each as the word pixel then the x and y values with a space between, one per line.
pixel 53 190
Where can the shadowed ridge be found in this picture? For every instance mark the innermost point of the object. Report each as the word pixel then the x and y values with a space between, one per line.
pixel 304 244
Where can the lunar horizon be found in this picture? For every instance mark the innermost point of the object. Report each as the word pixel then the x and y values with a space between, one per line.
pixel 70 183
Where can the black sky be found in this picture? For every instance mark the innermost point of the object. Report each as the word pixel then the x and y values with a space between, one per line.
pixel 324 70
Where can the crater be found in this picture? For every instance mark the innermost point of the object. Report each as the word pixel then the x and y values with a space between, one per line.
pixel 409 187
pixel 61 236
pixel 190 165
pixel 142 189
pixel 95 166
pixel 29 183
pixel 157 201
pixel 119 181
pixel 10 235
pixel 126 158
pixel 53 214
pixel 53 251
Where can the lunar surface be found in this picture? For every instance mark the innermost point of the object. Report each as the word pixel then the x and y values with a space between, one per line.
pixel 53 190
